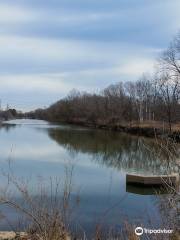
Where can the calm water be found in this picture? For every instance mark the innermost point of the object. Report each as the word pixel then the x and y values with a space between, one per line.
pixel 100 161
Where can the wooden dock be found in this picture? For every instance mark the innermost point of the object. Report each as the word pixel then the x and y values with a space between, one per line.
pixel 153 180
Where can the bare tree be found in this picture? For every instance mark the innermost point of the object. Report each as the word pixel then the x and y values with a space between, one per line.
pixel 169 89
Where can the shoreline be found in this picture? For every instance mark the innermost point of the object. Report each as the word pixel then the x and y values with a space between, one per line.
pixel 144 131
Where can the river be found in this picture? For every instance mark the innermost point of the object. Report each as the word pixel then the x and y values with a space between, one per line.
pixel 100 160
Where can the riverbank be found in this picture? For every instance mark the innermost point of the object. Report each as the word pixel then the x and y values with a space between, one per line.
pixel 151 129
pixel 146 129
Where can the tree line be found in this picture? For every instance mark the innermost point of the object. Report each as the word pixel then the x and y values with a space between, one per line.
pixel 150 98
pixel 9 114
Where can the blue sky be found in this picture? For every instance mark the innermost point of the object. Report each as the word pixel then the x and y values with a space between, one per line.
pixel 48 47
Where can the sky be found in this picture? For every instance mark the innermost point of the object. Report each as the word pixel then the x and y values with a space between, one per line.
pixel 49 47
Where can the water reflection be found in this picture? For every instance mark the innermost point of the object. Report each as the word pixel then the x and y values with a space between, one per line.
pixel 101 160
pixel 7 127
pixel 117 150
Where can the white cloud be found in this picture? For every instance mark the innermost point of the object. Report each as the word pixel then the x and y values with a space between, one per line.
pixel 15 14
pixel 84 80
pixel 42 50
pixel 35 82
pixel 136 66
pixel 49 50
pixel 81 17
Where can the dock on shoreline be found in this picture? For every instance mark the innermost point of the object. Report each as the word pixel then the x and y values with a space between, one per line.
pixel 153 180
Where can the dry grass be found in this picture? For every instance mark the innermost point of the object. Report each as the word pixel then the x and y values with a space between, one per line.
pixel 156 124
pixel 47 213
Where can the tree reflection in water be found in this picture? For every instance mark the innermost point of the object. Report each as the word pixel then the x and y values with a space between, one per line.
pixel 119 150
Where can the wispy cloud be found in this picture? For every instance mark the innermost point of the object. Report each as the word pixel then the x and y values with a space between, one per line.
pixel 62 54
pixel 15 14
